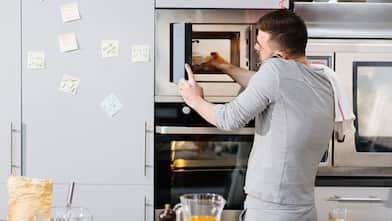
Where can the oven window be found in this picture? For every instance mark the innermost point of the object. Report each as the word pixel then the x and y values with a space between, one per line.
pixel 373 106
pixel 207 154
pixel 201 163
pixel 325 60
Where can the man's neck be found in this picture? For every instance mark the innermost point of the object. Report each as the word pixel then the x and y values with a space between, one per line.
pixel 302 59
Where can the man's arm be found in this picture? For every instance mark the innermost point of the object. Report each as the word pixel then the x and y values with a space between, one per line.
pixel 206 110
pixel 260 93
pixel 240 75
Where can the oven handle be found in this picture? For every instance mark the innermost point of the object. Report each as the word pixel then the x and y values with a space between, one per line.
pixel 182 170
pixel 202 130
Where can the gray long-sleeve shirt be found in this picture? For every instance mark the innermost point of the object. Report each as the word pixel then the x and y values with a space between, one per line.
pixel 294 110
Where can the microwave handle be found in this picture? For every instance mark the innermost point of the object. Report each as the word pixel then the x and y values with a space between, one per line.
pixel 180 50
pixel 202 130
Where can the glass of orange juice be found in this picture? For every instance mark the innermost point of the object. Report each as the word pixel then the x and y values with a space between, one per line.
pixel 340 214
pixel 200 207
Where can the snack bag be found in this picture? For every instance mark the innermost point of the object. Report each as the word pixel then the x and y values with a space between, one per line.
pixel 29 198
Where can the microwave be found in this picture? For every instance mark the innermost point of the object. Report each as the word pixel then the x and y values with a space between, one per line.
pixel 190 35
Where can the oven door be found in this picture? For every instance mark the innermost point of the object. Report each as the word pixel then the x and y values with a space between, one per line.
pixel 367 80
pixel 201 159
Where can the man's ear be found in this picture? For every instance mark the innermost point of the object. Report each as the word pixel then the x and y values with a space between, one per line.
pixel 283 54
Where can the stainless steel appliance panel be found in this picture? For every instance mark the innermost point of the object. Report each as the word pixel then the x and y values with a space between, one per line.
pixel 372 102
pixel 348 160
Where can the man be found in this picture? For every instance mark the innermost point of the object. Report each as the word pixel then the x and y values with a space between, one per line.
pixel 293 106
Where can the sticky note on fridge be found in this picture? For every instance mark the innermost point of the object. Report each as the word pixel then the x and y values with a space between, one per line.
pixel 140 53
pixel 36 60
pixel 111 105
pixel 70 12
pixel 69 84
pixel 110 48
pixel 68 42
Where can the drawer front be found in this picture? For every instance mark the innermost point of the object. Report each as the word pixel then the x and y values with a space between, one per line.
pixel 366 203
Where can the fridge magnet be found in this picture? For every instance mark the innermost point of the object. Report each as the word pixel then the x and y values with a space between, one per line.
pixel 111 105
pixel 36 60
pixel 69 84
pixel 140 53
pixel 70 12
pixel 68 42
pixel 110 48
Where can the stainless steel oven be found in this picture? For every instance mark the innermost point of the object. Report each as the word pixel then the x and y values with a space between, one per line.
pixel 365 69
pixel 193 156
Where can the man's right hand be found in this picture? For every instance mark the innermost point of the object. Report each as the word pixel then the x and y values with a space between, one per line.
pixel 215 62
pixel 218 63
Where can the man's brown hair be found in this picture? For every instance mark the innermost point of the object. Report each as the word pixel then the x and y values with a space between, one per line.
pixel 287 31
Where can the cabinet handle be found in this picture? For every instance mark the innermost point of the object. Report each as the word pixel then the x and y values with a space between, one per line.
pixel 354 199
pixel 12 165
pixel 145 148
pixel 145 208
pixel 11 149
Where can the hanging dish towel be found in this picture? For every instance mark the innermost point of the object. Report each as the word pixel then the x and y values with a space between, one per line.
pixel 344 116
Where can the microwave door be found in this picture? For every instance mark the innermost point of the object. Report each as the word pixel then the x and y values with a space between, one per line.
pixel 181 50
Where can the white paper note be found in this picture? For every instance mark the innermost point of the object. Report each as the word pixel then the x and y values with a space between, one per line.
pixel 140 53
pixel 68 42
pixel 109 48
pixel 36 60
pixel 69 84
pixel 70 12
pixel 111 105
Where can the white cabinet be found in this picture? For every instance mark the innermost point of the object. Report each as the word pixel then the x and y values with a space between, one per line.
pixel 366 203
pixel 110 202
pixel 3 201
pixel 9 95
pixel 254 4
pixel 70 137
pixel 9 89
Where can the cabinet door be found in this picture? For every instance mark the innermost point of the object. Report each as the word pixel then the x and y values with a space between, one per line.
pixel 366 203
pixel 3 201
pixel 69 136
pixel 10 86
pixel 254 4
pixel 110 202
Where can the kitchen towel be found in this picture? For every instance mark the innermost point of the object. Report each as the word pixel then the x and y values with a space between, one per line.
pixel 344 116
